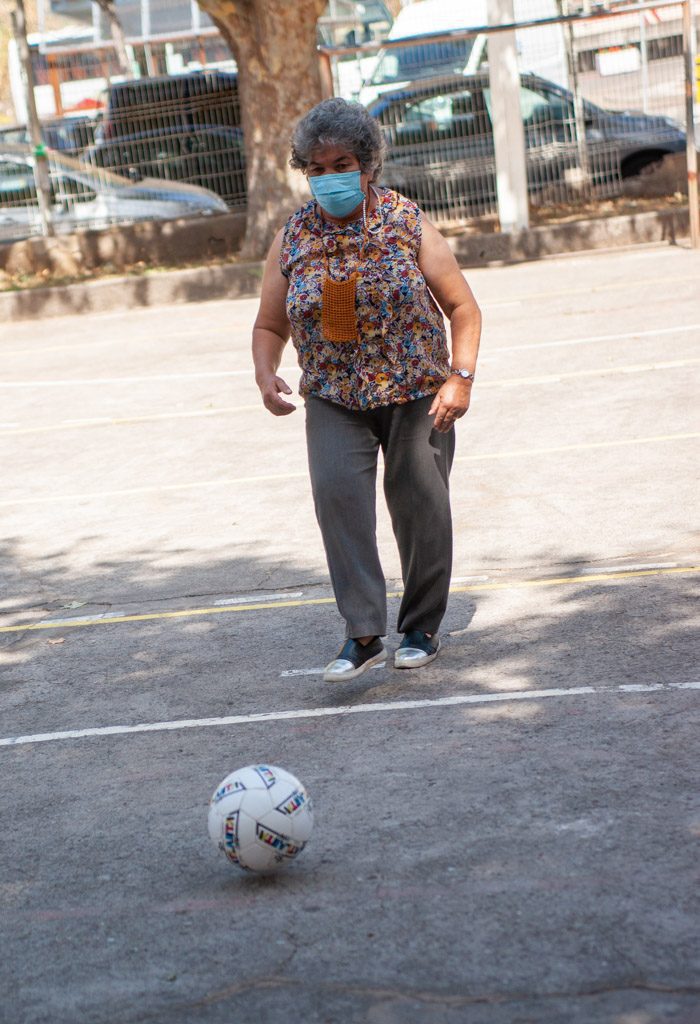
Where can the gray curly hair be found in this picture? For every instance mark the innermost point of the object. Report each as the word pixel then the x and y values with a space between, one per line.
pixel 335 122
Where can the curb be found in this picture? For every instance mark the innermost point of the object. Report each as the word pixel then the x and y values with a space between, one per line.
pixel 235 280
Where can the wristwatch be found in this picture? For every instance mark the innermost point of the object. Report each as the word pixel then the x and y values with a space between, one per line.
pixel 464 374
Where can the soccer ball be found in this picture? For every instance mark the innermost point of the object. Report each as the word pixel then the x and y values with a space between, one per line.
pixel 260 817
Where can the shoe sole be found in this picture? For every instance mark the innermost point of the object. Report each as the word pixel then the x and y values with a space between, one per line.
pixel 378 659
pixel 416 664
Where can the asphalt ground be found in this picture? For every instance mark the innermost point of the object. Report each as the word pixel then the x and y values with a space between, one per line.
pixel 509 835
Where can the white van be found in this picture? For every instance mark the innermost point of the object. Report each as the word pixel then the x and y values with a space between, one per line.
pixel 540 50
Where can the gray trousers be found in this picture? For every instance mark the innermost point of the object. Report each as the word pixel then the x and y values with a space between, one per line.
pixel 343 447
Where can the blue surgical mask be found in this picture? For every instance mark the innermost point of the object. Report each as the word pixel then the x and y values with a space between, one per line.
pixel 337 194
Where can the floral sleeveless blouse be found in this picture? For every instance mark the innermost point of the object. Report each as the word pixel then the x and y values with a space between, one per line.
pixel 401 352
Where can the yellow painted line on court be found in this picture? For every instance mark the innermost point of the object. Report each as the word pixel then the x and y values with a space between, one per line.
pixel 561 581
pixel 263 478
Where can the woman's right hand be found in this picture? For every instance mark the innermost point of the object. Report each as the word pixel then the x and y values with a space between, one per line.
pixel 270 389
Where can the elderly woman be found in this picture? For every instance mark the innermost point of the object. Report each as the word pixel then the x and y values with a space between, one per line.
pixel 358 277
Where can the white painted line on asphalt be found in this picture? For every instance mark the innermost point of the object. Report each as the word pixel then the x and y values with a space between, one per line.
pixel 79 382
pixel 517 453
pixel 101 617
pixel 283 595
pixel 204 375
pixel 628 568
pixel 604 371
pixel 109 421
pixel 291 672
pixel 457 700
pixel 596 338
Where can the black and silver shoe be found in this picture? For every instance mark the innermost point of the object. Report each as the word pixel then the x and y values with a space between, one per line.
pixel 353 659
pixel 416 649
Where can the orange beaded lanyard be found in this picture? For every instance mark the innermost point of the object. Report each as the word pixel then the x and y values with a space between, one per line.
pixel 338 312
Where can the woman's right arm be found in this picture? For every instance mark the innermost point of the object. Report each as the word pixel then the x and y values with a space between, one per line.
pixel 270 334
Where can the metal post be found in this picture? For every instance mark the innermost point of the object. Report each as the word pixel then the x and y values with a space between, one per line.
pixel 644 54
pixel 579 109
pixel 326 75
pixel 691 149
pixel 41 162
pixel 508 131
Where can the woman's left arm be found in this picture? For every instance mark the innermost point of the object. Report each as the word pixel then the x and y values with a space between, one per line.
pixel 454 296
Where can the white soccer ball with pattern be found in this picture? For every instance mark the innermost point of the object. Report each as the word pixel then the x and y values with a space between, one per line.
pixel 260 817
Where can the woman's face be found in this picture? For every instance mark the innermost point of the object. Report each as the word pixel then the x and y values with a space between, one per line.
pixel 335 160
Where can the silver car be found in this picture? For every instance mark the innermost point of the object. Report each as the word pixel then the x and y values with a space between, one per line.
pixel 83 197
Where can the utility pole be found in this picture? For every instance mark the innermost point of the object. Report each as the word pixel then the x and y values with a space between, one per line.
pixel 691 148
pixel 41 162
pixel 508 131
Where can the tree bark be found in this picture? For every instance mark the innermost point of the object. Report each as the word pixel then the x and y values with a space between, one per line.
pixel 274 44
pixel 117 32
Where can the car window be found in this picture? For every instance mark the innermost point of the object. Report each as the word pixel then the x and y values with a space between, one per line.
pixel 16 180
pixel 434 108
pixel 457 113
pixel 150 150
pixel 532 104
pixel 10 169
pixel 423 60
pixel 538 105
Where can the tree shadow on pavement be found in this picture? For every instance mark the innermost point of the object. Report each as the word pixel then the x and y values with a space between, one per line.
pixel 182 654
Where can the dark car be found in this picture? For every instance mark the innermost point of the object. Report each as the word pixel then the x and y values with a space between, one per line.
pixel 175 102
pixel 178 128
pixel 211 157
pixel 68 135
pixel 81 197
pixel 441 152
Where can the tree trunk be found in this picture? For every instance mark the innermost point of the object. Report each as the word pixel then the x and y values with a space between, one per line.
pixel 117 32
pixel 274 43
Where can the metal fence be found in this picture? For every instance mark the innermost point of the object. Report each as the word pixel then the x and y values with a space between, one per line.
pixel 81 196
pixel 601 100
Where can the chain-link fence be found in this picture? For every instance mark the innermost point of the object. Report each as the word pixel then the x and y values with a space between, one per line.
pixel 83 197
pixel 601 99
pixel 162 134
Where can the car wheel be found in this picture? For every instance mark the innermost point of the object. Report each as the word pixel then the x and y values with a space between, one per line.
pixel 641 165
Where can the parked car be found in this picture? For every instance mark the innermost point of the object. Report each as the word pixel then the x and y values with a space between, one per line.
pixel 211 157
pixel 175 103
pixel 441 152
pixel 424 31
pixel 67 134
pixel 83 197
pixel 176 127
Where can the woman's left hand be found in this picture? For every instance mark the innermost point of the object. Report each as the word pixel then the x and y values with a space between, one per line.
pixel 450 403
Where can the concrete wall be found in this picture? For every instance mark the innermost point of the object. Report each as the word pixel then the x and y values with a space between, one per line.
pixel 113 250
